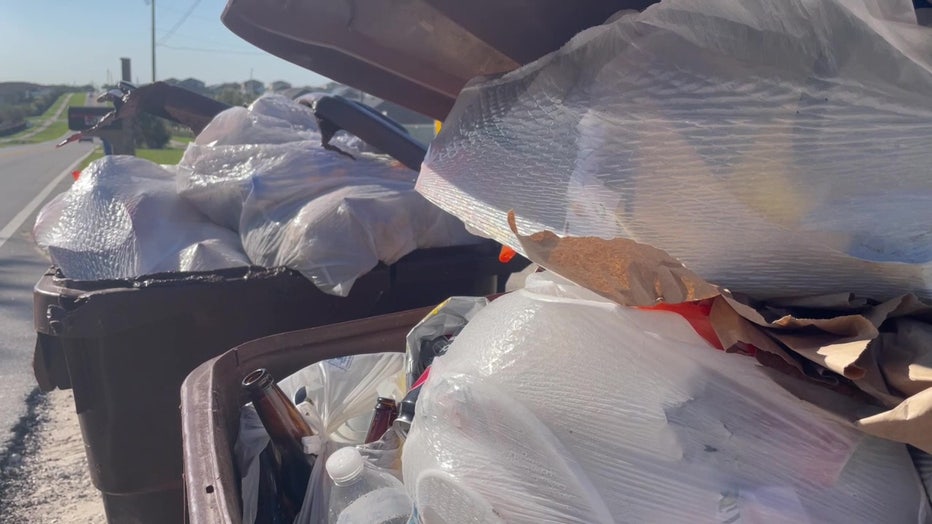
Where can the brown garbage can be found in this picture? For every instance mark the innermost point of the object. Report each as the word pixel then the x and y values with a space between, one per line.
pixel 125 346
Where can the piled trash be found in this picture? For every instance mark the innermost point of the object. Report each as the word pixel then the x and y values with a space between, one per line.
pixel 774 152
pixel 777 149
pixel 555 404
pixel 255 187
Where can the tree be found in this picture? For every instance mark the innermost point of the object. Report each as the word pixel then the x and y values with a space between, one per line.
pixel 150 132
pixel 233 97
pixel 10 114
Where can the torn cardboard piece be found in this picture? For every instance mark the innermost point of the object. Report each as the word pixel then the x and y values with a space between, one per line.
pixel 909 422
pixel 621 270
pixel 849 343
pixel 885 349
pixel 733 329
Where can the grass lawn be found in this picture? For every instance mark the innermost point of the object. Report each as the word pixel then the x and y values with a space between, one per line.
pixel 60 126
pixel 78 99
pixel 56 130
pixel 161 156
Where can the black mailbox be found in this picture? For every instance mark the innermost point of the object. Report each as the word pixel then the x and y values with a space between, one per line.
pixel 84 117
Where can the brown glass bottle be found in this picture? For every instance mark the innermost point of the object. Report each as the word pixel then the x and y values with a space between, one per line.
pixel 271 507
pixel 286 428
pixel 385 412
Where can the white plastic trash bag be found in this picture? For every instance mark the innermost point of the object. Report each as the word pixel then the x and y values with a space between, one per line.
pixel 555 405
pixel 331 216
pixel 123 218
pixel 270 119
pixel 343 393
pixel 337 223
pixel 776 148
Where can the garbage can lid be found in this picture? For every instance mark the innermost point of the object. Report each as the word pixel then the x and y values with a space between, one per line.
pixel 416 54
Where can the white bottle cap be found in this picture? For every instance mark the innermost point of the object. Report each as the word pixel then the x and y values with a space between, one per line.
pixel 345 464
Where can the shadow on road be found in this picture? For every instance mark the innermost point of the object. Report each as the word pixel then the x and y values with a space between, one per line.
pixel 19 273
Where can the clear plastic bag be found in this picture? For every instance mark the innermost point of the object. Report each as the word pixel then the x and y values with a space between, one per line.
pixel 385 453
pixel 335 225
pixel 270 119
pixel 263 172
pixel 775 148
pixel 444 323
pixel 555 405
pixel 123 218
pixel 342 393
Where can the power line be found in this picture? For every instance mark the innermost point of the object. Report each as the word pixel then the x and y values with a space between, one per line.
pixel 209 50
pixel 179 23
pixel 214 19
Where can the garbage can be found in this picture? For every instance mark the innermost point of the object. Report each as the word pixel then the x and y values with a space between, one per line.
pixel 211 398
pixel 125 346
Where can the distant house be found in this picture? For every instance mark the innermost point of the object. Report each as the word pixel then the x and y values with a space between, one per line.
pixel 193 84
pixel 228 86
pixel 16 92
pixel 353 94
pixel 279 85
pixel 38 92
pixel 253 88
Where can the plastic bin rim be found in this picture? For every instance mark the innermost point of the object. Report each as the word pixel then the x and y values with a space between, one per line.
pixel 168 278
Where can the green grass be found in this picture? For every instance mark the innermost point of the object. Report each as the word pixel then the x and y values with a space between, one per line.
pixel 182 139
pixel 161 156
pixel 56 130
pixel 60 126
pixel 78 99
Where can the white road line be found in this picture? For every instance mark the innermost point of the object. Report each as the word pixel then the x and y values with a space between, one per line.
pixel 10 229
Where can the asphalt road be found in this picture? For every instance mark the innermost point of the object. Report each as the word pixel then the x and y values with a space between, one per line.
pixel 29 176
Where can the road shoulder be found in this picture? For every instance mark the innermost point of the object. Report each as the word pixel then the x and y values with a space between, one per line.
pixel 44 476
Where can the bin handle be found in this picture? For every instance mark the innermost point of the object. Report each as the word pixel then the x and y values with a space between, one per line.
pixel 334 113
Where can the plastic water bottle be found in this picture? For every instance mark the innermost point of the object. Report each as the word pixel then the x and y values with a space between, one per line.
pixel 363 494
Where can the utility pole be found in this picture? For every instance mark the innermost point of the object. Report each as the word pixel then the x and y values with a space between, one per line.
pixel 153 40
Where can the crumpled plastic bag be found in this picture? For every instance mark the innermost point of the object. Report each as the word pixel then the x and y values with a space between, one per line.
pixel 439 327
pixel 123 218
pixel 343 393
pixel 331 216
pixel 556 405
pixel 775 148
pixel 270 119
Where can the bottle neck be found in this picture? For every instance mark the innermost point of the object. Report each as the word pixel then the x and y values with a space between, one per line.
pixel 274 405
pixel 282 420
pixel 349 482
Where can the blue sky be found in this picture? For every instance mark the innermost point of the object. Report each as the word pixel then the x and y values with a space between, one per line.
pixel 77 42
